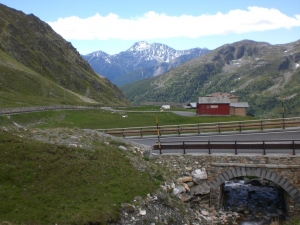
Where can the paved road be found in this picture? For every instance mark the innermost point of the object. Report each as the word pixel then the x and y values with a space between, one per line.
pixel 181 113
pixel 184 113
pixel 249 136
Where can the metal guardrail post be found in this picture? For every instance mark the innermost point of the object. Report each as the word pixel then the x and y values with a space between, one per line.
pixel 123 133
pixel 198 128
pixel 141 132
pixel 183 147
pixel 219 128
pixel 261 125
pixel 209 152
pixel 158 135
pixel 178 130
pixel 294 152
pixel 159 145
pixel 235 145
pixel 264 148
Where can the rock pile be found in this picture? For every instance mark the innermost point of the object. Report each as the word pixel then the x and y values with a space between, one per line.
pixel 155 209
pixel 184 201
pixel 192 186
pixel 158 209
pixel 195 190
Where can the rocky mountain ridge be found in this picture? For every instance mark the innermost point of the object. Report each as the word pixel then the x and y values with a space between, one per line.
pixel 142 60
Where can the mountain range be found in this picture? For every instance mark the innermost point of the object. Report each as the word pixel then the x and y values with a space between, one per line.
pixel 140 61
pixel 39 67
pixel 264 75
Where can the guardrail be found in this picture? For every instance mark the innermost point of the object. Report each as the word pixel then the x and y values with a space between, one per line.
pixel 227 145
pixel 238 126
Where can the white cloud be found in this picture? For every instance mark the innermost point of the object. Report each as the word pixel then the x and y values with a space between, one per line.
pixel 153 25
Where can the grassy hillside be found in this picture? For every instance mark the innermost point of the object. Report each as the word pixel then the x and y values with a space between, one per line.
pixel 90 186
pixel 20 86
pixel 101 119
pixel 258 73
pixel 37 66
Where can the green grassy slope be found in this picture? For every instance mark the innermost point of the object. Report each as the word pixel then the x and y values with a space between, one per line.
pixel 21 86
pixel 101 119
pixel 47 184
pixel 40 63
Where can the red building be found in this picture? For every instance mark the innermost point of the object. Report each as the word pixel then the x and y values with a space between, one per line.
pixel 219 103
pixel 216 104
pixel 213 108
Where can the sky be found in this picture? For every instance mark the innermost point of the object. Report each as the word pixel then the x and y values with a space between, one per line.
pixel 113 26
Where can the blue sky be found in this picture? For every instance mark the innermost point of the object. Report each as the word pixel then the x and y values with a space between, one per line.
pixel 115 25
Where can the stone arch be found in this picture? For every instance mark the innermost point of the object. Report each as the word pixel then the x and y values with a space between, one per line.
pixel 257 172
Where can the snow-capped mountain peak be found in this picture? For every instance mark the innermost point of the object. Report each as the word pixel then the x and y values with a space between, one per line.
pixel 155 58
pixel 149 52
pixel 98 54
pixel 140 46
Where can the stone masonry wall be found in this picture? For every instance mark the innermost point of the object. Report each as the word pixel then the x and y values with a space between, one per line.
pixel 281 169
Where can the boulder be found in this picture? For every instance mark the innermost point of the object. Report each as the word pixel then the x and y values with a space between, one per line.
pixel 122 148
pixel 189 169
pixel 190 184
pixel 173 185
pixel 186 187
pixel 178 190
pixel 204 212
pixel 200 189
pixel 184 197
pixel 199 175
pixel 185 179
pixel 142 212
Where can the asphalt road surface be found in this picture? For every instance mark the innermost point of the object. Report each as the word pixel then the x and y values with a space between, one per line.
pixel 288 134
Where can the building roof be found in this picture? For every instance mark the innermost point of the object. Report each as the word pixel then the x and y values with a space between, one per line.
pixel 239 104
pixel 218 94
pixel 214 100
pixel 192 104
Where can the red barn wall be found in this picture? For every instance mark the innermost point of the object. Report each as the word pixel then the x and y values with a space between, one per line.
pixel 213 109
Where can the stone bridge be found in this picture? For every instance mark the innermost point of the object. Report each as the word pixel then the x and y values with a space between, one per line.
pixel 283 170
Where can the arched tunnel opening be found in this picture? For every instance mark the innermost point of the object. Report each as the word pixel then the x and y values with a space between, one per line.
pixel 257 201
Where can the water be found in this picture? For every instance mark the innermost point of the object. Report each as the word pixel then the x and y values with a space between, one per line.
pixel 258 202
